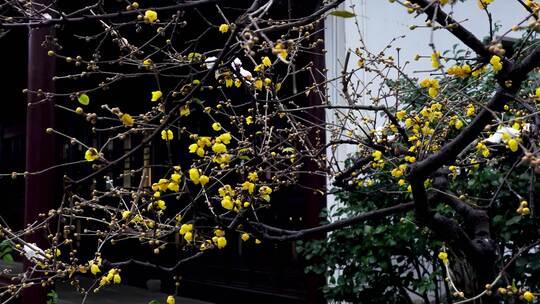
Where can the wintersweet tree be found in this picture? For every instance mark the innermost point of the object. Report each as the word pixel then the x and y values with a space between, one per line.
pixel 219 93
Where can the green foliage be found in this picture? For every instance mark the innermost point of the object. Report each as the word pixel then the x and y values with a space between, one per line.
pixel 374 261
pixel 83 99
pixel 5 251
pixel 52 297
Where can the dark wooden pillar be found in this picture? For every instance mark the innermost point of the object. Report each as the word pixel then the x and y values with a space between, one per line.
pixel 40 149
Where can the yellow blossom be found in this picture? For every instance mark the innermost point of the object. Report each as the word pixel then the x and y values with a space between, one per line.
pixel 222 159
pixel 226 190
pixel 513 145
pixel 528 296
pixel 376 155
pixel 477 72
pixel 482 4
pixel 117 279
pixel 410 159
pixel 460 71
pixel 216 126
pixel 228 82
pixel 265 192
pixel 219 148
pixel 185 228
pixel 188 236
pixel 161 204
pixel 495 62
pixel 266 61
pixel 91 154
pixel 250 187
pixel 137 218
pixel 156 95
pixel 127 120
pixel 161 185
pixel 466 69
pixel 175 177
pixel 184 111
pixel 167 135
pixel 94 269
pixel 150 16
pixel 282 55
pixel 483 149
pixel 396 172
pixel 435 63
pixel 259 68
pixel 537 93
pixel 224 138
pixel 252 176
pixel 204 180
pixel 171 300
pixel 174 187
pixel 258 84
pixel 432 84
pixel 223 28
pixel 249 120
pixel 204 141
pixel 400 115
pixel 245 237
pixel 219 232
pixel 200 151
pixel 408 122
pixel 237 82
pixel 433 92
pixel 227 203
pixel 443 256
pixel 221 242
pixel 425 83
pixel 470 110
pixel 103 281
pixel 194 175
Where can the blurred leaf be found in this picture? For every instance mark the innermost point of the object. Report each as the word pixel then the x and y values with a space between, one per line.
pixel 343 14
pixel 8 258
pixel 288 150
pixel 513 220
pixel 83 99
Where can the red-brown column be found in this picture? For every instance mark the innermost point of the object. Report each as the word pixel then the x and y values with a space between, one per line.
pixel 40 148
